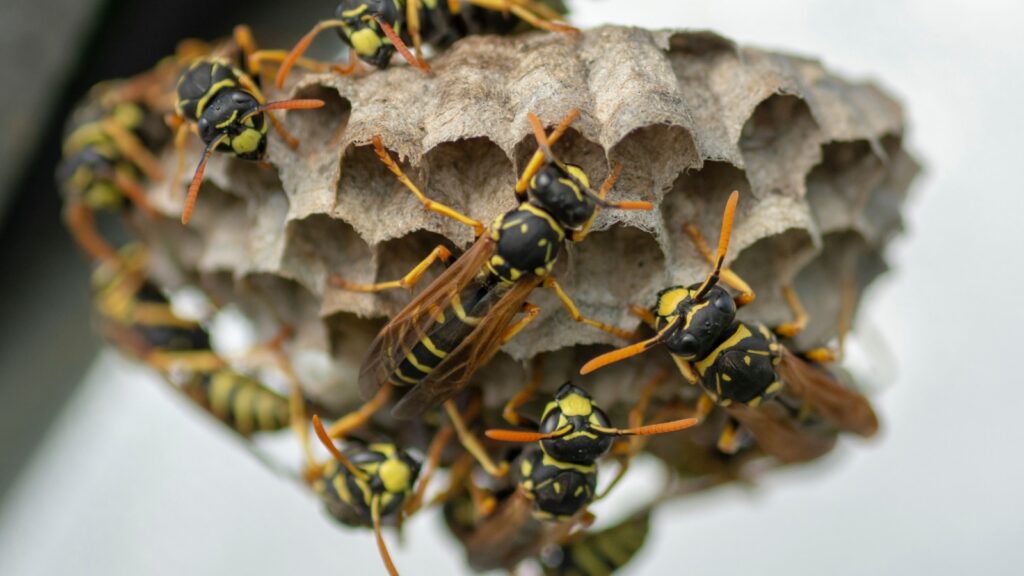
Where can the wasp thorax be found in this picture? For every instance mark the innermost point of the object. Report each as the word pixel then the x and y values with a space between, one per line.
pixel 700 323
pixel 561 193
pixel 573 407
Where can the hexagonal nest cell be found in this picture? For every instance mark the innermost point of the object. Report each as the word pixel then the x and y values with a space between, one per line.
pixel 690 116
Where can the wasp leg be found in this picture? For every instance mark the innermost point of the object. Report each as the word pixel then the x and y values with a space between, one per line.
pixel 343 426
pixel 82 224
pixel 134 150
pixel 553 284
pixel 247 44
pixel 729 439
pixel 198 362
pixel 523 10
pixel 472 444
pixel 180 128
pixel 636 419
pixel 800 317
pixel 530 312
pixel 408 281
pixel 645 315
pixel 525 395
pixel 729 277
pixel 296 400
pixel 441 439
pixel 378 147
pixel 412 24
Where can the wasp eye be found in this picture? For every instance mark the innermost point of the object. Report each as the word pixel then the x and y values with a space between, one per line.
pixel 687 345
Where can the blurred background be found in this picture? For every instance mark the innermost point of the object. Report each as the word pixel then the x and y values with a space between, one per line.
pixel 104 471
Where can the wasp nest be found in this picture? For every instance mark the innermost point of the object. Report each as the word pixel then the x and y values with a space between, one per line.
pixel 690 115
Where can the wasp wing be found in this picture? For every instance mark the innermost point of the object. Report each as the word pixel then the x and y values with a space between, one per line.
pixel 470 355
pixel 407 327
pixel 779 434
pixel 846 409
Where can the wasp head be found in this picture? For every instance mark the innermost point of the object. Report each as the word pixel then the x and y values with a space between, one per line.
pixel 362 30
pixel 561 191
pixel 575 409
pixel 232 114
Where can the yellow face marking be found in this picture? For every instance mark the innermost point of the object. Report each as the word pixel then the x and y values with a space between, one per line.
pixel 365 42
pixel 669 301
pixel 396 475
pixel 247 142
pixel 549 461
pixel 576 405
pixel 578 174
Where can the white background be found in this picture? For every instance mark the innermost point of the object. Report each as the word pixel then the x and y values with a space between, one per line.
pixel 124 486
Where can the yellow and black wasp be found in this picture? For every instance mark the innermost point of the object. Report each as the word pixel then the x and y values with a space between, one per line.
pixel 742 366
pixel 601 552
pixel 108 151
pixel 375 29
pixel 137 317
pixel 455 326
pixel 370 483
pixel 560 477
pixel 226 107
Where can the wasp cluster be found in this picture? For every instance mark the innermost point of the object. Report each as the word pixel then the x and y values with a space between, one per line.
pixel 691 116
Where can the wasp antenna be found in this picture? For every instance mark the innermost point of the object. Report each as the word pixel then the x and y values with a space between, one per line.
pixel 300 48
pixel 624 353
pixel 723 246
pixel 197 181
pixel 399 45
pixel 652 429
pixel 296 104
pixel 318 427
pixel 538 157
pixel 542 138
pixel 381 545
pixel 524 437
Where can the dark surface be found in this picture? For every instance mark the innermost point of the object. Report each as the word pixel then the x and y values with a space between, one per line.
pixel 48 342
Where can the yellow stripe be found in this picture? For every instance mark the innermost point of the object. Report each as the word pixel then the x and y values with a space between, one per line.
pixel 242 409
pixel 537 211
pixel 221 385
pixel 412 360
pixel 201 104
pixel 433 349
pixel 461 313
pixel 737 336
pixel 405 378
pixel 226 123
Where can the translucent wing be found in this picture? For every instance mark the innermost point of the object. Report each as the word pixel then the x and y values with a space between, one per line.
pixel 473 353
pixel 846 409
pixel 407 327
pixel 779 434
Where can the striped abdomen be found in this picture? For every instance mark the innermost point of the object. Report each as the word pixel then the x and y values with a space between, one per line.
pixel 240 402
pixel 461 317
pixel 602 553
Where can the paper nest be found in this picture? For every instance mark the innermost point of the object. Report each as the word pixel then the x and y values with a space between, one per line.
pixel 818 161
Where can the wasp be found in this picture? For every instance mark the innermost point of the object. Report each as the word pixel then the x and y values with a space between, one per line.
pixel 108 151
pixel 375 29
pixel 370 483
pixel 743 367
pixel 138 318
pixel 227 109
pixel 457 324
pixel 560 477
pixel 602 552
